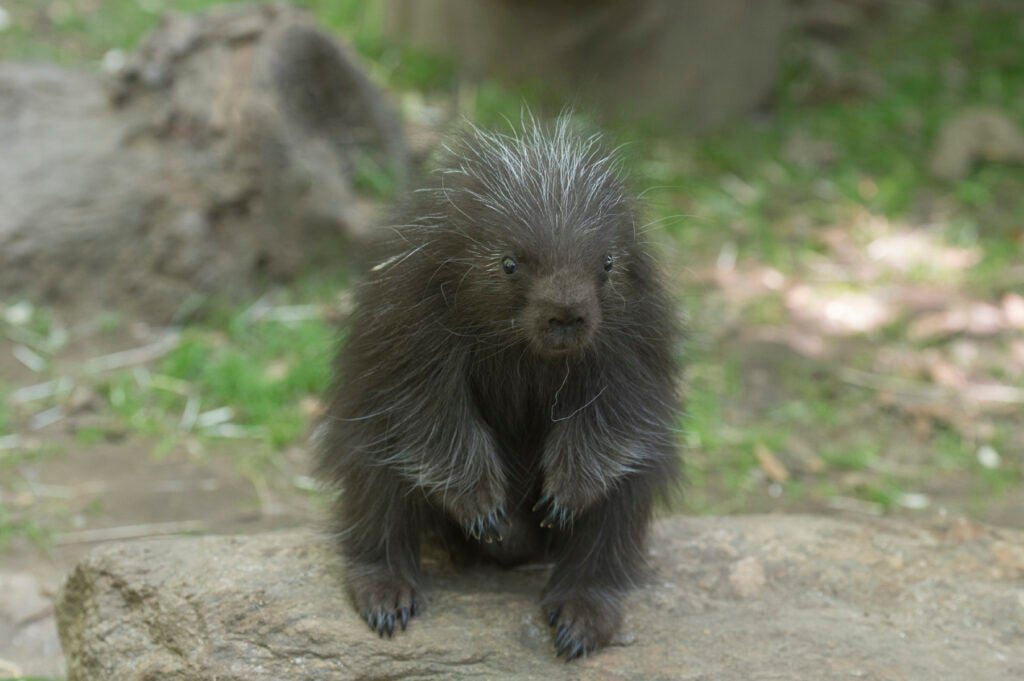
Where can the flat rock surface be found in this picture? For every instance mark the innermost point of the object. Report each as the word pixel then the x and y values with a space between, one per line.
pixel 761 597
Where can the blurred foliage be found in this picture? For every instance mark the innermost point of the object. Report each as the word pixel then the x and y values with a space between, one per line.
pixel 847 135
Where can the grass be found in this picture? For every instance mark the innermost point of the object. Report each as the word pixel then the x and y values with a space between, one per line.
pixel 5 416
pixel 740 189
pixel 262 370
pixel 19 523
pixel 23 529
pixel 231 377
pixel 15 527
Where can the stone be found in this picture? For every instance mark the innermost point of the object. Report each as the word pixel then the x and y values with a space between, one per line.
pixel 973 136
pixel 27 627
pixel 221 154
pixel 738 598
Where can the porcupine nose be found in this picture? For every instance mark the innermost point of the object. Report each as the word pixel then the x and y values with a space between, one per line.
pixel 564 312
pixel 567 325
pixel 566 320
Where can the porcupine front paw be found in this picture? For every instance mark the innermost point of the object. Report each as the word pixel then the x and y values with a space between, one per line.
pixel 385 601
pixel 481 517
pixel 553 513
pixel 563 500
pixel 489 528
pixel 486 526
pixel 559 506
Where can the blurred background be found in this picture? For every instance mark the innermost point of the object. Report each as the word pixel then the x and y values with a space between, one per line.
pixel 186 189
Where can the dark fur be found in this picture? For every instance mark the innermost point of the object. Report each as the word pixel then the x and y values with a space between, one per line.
pixel 515 417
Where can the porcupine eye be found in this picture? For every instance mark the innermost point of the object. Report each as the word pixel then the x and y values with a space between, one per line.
pixel 509 265
pixel 608 263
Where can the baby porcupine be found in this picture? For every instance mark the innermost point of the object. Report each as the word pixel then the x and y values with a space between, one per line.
pixel 508 384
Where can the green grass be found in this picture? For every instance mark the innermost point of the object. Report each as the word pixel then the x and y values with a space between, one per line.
pixel 268 374
pixel 261 370
pixel 78 31
pixel 14 527
pixel 883 139
pixel 5 415
pixel 855 457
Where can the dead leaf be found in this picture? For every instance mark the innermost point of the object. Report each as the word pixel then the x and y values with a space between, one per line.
pixel 1017 355
pixel 1009 556
pixel 747 577
pixel 943 372
pixel 806 151
pixel 963 530
pixel 277 370
pixel 805 455
pixel 973 318
pixel 802 342
pixel 312 407
pixel 972 136
pixel 907 251
pixel 771 466
pixel 1013 310
pixel 840 313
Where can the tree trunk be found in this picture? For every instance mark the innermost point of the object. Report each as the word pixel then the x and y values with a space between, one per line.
pixel 222 154
pixel 695 62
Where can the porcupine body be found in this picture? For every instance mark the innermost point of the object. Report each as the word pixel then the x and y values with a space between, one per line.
pixel 508 384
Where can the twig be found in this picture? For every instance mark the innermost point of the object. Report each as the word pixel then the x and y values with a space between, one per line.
pixel 39 391
pixel 47 418
pixel 897 386
pixel 29 357
pixel 68 492
pixel 38 616
pixel 26 337
pixel 44 344
pixel 1002 394
pixel 214 417
pixel 134 356
pixel 257 309
pixel 851 505
pixel 190 414
pixel 129 532
pixel 170 384
pixel 999 394
pixel 288 314
pixel 186 486
pixel 234 431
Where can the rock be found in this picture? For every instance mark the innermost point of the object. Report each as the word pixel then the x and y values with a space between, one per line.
pixel 830 19
pixel 769 597
pixel 222 152
pixel 698 63
pixel 747 577
pixel 828 78
pixel 806 151
pixel 27 628
pixel 974 136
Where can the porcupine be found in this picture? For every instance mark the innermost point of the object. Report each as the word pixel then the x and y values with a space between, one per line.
pixel 508 385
